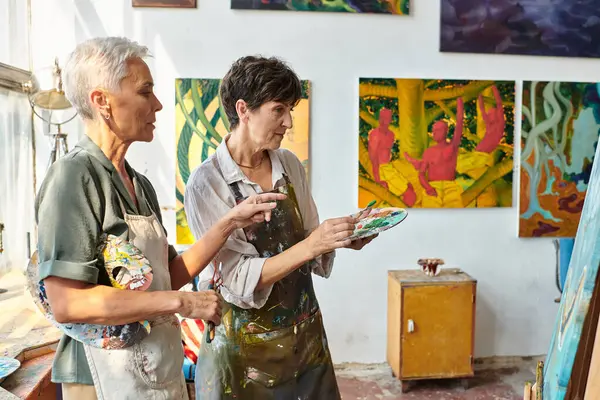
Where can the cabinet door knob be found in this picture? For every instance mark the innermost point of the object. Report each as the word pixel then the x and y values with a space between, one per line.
pixel 411 326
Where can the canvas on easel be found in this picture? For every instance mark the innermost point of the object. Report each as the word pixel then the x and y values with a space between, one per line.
pixel 577 295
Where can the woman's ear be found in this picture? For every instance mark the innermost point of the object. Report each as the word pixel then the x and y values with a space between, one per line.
pixel 242 110
pixel 99 101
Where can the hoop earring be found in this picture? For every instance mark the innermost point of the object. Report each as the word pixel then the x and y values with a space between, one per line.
pixel 107 117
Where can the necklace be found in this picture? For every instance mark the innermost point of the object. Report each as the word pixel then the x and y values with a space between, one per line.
pixel 252 167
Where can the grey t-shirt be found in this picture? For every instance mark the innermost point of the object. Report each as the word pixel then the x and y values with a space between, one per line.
pixel 75 205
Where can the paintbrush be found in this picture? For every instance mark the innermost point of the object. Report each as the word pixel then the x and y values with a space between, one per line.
pixel 210 336
pixel 365 211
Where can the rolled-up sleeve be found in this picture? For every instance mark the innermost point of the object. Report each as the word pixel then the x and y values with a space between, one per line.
pixel 207 199
pixel 68 223
pixel 322 265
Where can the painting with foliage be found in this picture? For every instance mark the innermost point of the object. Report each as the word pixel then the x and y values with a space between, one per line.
pixel 398 7
pixel 567 28
pixel 559 135
pixel 201 124
pixel 432 143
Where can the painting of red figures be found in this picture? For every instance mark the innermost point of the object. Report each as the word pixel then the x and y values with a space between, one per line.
pixel 559 135
pixel 435 143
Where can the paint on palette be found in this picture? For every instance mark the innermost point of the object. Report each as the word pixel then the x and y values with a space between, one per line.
pixel 567 28
pixel 397 7
pixel 8 366
pixel 378 220
pixel 433 143
pixel 577 294
pixel 128 269
pixel 560 128
pixel 200 126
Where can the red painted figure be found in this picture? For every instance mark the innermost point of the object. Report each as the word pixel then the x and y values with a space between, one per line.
pixel 381 140
pixel 439 161
pixel 494 123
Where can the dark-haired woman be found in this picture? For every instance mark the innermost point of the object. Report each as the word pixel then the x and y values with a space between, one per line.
pixel 271 343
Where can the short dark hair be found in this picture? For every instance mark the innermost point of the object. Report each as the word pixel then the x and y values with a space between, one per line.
pixel 258 80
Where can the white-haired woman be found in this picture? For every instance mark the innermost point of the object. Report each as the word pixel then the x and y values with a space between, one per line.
pixel 93 192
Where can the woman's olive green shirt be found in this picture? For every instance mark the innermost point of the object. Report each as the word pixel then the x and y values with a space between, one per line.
pixel 77 202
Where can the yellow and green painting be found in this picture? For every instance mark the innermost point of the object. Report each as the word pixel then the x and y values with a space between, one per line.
pixel 433 143
pixel 201 124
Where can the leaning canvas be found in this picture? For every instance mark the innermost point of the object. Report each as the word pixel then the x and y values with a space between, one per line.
pixel 435 143
pixel 568 28
pixel 559 135
pixel 201 124
pixel 398 7
pixel 576 296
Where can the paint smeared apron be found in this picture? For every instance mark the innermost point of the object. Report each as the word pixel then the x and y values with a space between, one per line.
pixel 151 369
pixel 279 351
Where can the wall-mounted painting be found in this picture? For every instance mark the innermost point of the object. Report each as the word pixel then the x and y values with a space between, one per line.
pixel 201 124
pixel 568 28
pixel 398 7
pixel 165 3
pixel 560 128
pixel 436 143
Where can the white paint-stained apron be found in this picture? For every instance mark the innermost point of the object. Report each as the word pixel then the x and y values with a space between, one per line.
pixel 151 369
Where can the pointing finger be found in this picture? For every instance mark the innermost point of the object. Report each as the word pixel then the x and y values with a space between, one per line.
pixel 265 197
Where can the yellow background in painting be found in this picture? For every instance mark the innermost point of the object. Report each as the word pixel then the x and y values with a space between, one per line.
pixel 296 140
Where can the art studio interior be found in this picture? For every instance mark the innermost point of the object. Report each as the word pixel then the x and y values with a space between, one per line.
pixel 299 199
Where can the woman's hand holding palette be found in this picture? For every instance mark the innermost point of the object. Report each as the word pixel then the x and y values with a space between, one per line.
pixel 375 220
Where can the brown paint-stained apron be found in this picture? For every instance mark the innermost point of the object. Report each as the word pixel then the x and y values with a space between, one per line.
pixel 279 351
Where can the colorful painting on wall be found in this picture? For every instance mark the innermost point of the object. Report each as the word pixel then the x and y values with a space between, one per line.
pixel 431 143
pixel 164 3
pixel 577 294
pixel 398 7
pixel 201 124
pixel 567 28
pixel 560 128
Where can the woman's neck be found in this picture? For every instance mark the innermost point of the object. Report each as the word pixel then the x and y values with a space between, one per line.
pixel 242 150
pixel 113 148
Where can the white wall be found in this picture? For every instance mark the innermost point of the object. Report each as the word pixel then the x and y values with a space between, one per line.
pixel 516 289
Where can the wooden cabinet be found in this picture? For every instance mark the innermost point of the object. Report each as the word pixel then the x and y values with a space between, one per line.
pixel 431 324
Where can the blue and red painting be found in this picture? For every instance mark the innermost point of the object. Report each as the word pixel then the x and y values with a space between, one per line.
pixel 565 28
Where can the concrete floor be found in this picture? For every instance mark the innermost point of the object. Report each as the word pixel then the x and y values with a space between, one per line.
pixel 492 381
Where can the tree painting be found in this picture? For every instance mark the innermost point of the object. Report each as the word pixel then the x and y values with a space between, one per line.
pixel 431 143
pixel 398 7
pixel 561 124
pixel 200 126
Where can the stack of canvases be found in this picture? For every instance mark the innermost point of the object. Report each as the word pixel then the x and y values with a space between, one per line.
pixel 441 143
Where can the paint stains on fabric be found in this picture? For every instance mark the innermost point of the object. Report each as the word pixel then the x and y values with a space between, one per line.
pixel 128 269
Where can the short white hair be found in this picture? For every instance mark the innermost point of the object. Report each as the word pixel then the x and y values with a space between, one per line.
pixel 98 62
